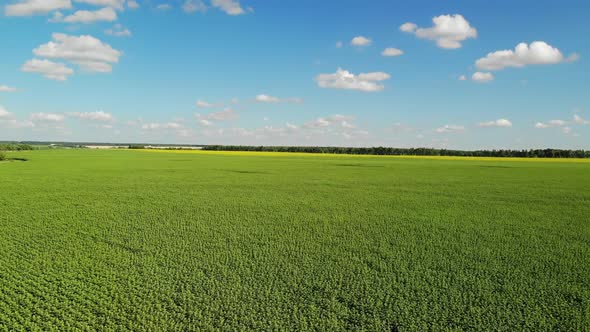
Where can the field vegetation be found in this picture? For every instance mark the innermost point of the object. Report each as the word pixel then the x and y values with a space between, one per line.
pixel 214 240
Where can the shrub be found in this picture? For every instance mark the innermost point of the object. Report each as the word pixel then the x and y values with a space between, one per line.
pixel 2 156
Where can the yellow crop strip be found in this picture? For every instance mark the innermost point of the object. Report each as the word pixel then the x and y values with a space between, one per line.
pixel 302 154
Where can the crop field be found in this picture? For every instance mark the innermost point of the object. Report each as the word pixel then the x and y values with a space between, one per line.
pixel 173 241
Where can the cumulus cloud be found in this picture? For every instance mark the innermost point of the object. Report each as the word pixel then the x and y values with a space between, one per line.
pixel 462 78
pixel 4 114
pixel 480 77
pixel 343 79
pixel 191 6
pixel 89 53
pixel 263 98
pixel 537 53
pixel 339 44
pixel 36 7
pixel 230 7
pixel 448 31
pixel 497 123
pixel 550 124
pixel 16 124
pixel 205 123
pixel 47 117
pixel 118 30
pixel 49 69
pixel 6 88
pixel 106 14
pixel 132 4
pixel 450 129
pixel 579 120
pixel 92 116
pixel 391 51
pixel 360 41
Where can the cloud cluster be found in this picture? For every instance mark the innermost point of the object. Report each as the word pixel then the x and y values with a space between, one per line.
pixel 36 7
pixel 563 125
pixel 263 98
pixel 450 129
pixel 497 123
pixel 90 53
pixel 47 117
pixel 4 114
pixel 6 88
pixel 448 31
pixel 49 69
pixel 230 7
pixel 537 53
pixel 343 79
pixel 106 14
pixel 92 116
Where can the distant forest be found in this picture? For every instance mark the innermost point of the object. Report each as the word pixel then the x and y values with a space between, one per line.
pixel 383 151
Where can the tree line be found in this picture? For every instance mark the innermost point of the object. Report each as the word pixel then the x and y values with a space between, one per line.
pixel 15 147
pixel 385 151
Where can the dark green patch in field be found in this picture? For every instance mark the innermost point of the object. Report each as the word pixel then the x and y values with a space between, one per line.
pixel 181 160
pixel 118 245
pixel 240 171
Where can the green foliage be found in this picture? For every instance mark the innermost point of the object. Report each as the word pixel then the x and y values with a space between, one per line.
pixel 539 153
pixel 15 147
pixel 136 146
pixel 177 241
pixel 2 156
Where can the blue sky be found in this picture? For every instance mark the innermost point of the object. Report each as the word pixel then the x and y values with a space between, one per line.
pixel 297 72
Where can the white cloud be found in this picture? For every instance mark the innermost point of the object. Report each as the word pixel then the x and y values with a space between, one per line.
pixel 225 115
pixel 191 6
pixel 6 88
pixel 164 6
pixel 579 120
pixel 541 125
pixel 537 53
pixel 360 41
pixel 36 7
pixel 449 31
pixel 267 99
pixel 157 126
pixel 566 130
pixel 118 30
pixel 344 79
pixel 391 51
pixel 497 123
pixel 92 116
pixel 49 69
pixel 462 78
pixel 118 4
pixel 205 123
pixel 16 124
pixel 4 114
pixel 339 44
pixel 204 104
pixel 337 119
pixel 132 4
pixel 106 14
pixel 263 98
pixel 450 129
pixel 480 77
pixel 408 27
pixel 86 51
pixel 550 124
pixel 47 117
pixel 230 7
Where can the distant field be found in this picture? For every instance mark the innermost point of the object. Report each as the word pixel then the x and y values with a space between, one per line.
pixel 175 241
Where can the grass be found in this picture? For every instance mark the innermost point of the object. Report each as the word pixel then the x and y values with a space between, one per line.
pixel 142 240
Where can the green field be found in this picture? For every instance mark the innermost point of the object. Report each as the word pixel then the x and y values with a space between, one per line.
pixel 154 241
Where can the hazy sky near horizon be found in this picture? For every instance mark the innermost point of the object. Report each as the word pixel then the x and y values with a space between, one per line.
pixel 465 74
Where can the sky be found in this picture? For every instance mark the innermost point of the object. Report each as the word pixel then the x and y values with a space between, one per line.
pixel 458 74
